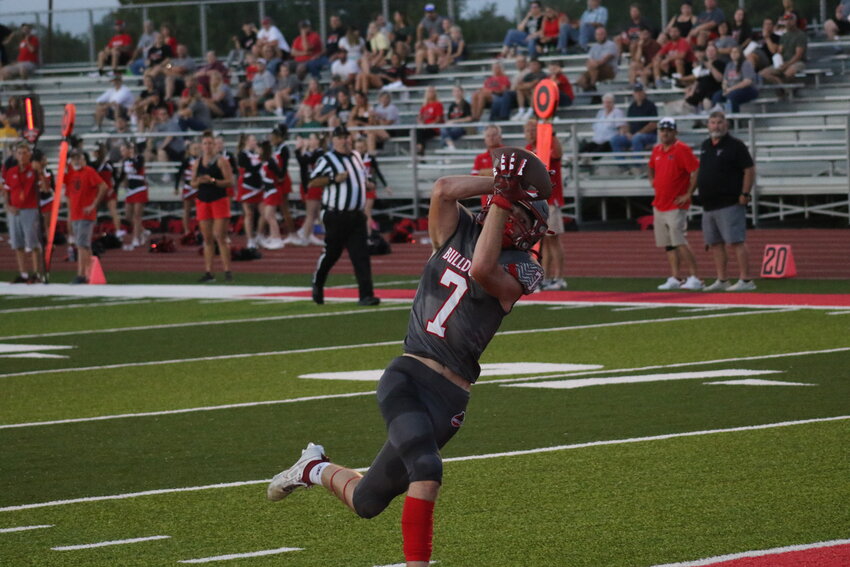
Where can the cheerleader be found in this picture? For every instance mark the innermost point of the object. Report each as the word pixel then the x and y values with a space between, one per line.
pixel 373 174
pixel 250 183
pixel 271 199
pixel 280 151
pixel 183 184
pixel 104 168
pixel 132 177
pixel 308 153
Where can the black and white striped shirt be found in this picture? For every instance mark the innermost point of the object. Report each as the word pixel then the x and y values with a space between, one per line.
pixel 350 195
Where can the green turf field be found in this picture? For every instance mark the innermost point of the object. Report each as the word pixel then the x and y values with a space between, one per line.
pixel 637 458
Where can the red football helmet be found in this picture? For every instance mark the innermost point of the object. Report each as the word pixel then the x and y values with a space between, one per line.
pixel 519 233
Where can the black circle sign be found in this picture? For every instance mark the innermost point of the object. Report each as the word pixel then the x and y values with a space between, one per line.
pixel 545 98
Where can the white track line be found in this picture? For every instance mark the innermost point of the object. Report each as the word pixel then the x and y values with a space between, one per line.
pixel 449 460
pixel 190 410
pixel 482 383
pixel 378 344
pixel 203 323
pixel 242 555
pixel 108 543
pixel 24 528
pixel 757 553
pixel 75 305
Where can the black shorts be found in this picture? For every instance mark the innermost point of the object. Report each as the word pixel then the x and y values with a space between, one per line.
pixel 423 411
pixel 843 26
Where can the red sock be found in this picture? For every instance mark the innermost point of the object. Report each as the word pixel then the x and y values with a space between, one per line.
pixel 417 528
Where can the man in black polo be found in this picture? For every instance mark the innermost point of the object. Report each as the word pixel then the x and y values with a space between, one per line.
pixel 342 175
pixel 725 182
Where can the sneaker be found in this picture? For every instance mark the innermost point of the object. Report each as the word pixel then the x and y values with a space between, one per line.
pixel 207 278
pixel 518 115
pixel 120 233
pixel 670 284
pixel 79 280
pixel 369 301
pixel 35 278
pixel 718 285
pixel 295 476
pixel 318 294
pixel 295 240
pixel 693 283
pixel 742 285
pixel 273 243
pixel 20 279
pixel 529 112
pixel 136 242
pixel 315 240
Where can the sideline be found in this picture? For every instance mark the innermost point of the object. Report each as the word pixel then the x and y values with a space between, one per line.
pixel 449 460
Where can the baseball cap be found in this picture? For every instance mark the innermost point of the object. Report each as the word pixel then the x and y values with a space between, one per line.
pixel 119 23
pixel 667 123
pixel 304 24
pixel 75 152
pixel 637 87
pixel 266 20
pixel 429 8
pixel 340 132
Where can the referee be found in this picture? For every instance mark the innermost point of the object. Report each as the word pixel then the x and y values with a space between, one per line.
pixel 342 175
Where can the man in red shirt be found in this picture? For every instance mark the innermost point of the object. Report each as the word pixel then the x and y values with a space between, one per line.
pixel 27 55
pixel 22 184
pixel 85 189
pixel 673 174
pixel 483 164
pixel 118 51
pixel 675 57
pixel 495 84
pixel 307 50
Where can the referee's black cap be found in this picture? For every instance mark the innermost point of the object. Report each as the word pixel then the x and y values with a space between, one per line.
pixel 341 132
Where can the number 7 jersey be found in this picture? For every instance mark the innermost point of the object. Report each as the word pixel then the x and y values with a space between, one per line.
pixel 453 319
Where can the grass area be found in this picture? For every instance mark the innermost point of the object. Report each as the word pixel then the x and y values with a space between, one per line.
pixel 630 504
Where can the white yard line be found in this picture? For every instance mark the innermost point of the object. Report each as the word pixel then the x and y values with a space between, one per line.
pixel 478 384
pixel 202 323
pixel 449 460
pixel 108 543
pixel 78 305
pixel 242 555
pixel 383 343
pixel 757 553
pixel 24 528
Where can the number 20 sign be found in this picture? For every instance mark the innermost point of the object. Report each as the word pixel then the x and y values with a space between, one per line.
pixel 778 261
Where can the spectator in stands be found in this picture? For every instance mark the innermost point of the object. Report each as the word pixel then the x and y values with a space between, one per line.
pixel 287 92
pixel 121 133
pixel 526 32
pixel 431 23
pixel 219 98
pixel 675 57
pixel 640 135
pixel 328 102
pixel 547 36
pixel 673 176
pixel 782 23
pixel 767 45
pixel 792 48
pixel 378 44
pixel 171 147
pixel 685 20
pixel 425 58
pixel 360 115
pixel 503 103
pixel 459 113
pixel 177 70
pixel 342 109
pixel 307 50
pixel 269 34
pixel 740 28
pixel 168 37
pixel 431 112
pixel 402 36
pixel 641 56
pixel 601 61
pixel 146 41
pixel 609 120
pixel 566 96
pixel 593 18
pixel 483 163
pixel 243 43
pixel 353 44
pixel 739 83
pixel 272 57
pixel 725 183
pixel 212 65
pixel 23 182
pixel 628 39
pixel 390 76
pixel 525 89
pixel 118 50
pixel 261 89
pixel 724 41
pixel 159 55
pixel 551 250
pixel 707 21
pixel 454 49
pixel 496 84
pixel 148 99
pixel 5 37
pixel 705 80
pixel 344 68
pixel 27 61
pixel 118 99
pixel 336 31
pixel 840 24
pixel 194 112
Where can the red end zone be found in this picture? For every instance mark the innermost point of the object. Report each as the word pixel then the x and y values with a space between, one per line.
pixel 835 300
pixel 823 554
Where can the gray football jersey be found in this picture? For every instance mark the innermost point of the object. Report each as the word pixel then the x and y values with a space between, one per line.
pixel 453 318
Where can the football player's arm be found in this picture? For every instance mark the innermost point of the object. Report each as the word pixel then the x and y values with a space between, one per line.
pixel 486 269
pixel 443 211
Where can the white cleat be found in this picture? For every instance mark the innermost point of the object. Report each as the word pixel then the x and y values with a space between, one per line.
pixel 315 240
pixel 718 285
pixel 693 283
pixel 294 240
pixel 741 285
pixel 670 284
pixel 287 481
pixel 272 243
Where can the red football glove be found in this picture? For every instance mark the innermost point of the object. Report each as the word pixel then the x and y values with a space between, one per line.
pixel 508 179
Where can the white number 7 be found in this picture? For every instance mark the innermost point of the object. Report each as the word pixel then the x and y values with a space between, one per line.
pixel 437 325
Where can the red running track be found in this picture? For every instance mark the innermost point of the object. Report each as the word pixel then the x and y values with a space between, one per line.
pixel 819 254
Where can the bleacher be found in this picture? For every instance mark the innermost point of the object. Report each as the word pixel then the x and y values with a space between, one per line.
pixel 801 144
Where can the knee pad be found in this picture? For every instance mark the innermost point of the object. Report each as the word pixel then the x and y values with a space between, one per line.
pixel 427 466
pixel 368 505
